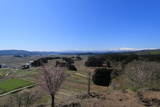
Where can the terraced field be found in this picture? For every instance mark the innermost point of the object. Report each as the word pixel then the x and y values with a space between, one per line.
pixel 74 84
pixel 13 84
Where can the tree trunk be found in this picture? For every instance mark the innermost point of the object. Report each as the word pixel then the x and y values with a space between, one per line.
pixel 89 83
pixel 52 103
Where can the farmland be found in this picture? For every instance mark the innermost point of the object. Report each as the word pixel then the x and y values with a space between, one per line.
pixel 74 88
pixel 13 84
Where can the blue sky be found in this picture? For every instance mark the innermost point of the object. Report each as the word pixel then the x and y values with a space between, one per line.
pixel 79 24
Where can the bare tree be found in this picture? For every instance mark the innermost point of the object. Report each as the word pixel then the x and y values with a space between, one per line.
pixel 24 98
pixel 53 79
pixel 142 73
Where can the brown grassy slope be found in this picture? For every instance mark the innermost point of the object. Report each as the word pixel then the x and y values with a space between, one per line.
pixel 76 84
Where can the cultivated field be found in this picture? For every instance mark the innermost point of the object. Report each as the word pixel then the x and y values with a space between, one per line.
pixel 13 84
pixel 74 88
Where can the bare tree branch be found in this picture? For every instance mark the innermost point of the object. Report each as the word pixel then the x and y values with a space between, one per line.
pixel 142 73
pixel 52 78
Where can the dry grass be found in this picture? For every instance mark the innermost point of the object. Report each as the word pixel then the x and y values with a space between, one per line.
pixel 76 83
pixel 113 99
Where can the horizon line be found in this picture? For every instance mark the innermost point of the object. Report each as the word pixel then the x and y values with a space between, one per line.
pixel 84 50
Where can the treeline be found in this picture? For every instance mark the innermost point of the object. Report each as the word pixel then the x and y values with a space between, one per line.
pixel 139 70
pixel 40 61
pixel 111 60
pixel 67 62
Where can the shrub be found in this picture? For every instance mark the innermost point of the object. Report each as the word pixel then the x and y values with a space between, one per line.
pixel 71 67
pixel 102 77
pixel 94 62
pixel 60 64
pixel 78 58
pixel 39 62
pixel 68 60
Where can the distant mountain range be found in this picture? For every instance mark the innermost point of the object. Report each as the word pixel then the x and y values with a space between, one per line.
pixel 25 53
pixel 29 53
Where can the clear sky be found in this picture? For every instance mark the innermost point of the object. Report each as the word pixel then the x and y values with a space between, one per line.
pixel 79 24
